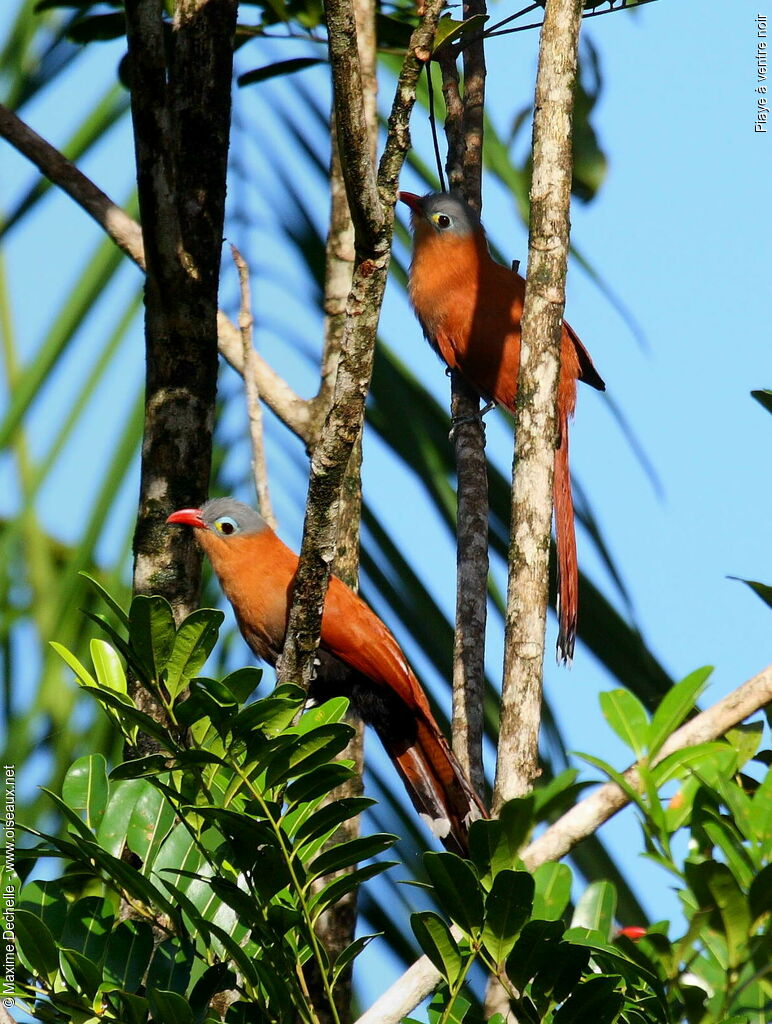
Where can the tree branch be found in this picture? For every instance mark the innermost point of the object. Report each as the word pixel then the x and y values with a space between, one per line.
pixel 468 437
pixel 178 109
pixel 536 413
pixel 252 393
pixel 292 410
pixel 343 426
pixel 421 978
pixel 351 124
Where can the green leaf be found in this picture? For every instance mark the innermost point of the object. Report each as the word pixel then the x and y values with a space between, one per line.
pixel 279 67
pixel 87 927
pixel 596 909
pixel 36 945
pixel 151 633
pixel 352 852
pixel 46 900
pixel 681 762
pixel 319 783
pixel 762 590
pixel 675 706
pixel 536 946
pixel 507 908
pixel 169 1007
pixel 457 888
pixel 717 891
pixel 271 715
pixel 764 397
pixel 594 999
pixel 339 887
pixel 170 967
pixel 329 817
pixel 435 939
pixel 553 891
pixel 494 844
pixel 109 600
pixel 350 953
pixel 556 796
pixel 627 717
pixel 83 675
pixel 114 825
pixel 85 788
pixel 130 716
pixel 108 667
pixel 243 682
pixel 760 895
pixel 80 971
pixel 307 753
pixel 129 949
pixel 193 643
pixel 97 28
pixel 450 31
pixel 151 821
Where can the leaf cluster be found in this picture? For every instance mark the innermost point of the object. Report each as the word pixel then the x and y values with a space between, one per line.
pixel 194 877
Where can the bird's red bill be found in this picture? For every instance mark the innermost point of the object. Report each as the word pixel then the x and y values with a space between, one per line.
pixel 410 199
pixel 188 516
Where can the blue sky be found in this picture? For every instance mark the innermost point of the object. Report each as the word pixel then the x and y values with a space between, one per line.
pixel 680 232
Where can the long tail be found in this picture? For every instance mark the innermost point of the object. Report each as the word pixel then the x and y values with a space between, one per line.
pixel 568 569
pixel 436 784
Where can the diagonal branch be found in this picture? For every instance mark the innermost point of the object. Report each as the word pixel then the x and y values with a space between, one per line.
pixel 581 821
pixel 292 410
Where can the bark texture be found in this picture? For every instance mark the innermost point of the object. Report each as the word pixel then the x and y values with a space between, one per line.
pixel 373 229
pixel 181 116
pixel 463 121
pixel 535 415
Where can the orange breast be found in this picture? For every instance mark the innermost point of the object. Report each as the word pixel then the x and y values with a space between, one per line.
pixel 470 308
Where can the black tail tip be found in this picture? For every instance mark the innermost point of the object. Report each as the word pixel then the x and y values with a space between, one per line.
pixel 565 647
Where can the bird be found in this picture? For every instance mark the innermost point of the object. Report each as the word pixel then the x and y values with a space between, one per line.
pixel 358 658
pixel 469 307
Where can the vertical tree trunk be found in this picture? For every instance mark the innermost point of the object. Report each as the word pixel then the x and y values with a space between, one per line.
pixel 536 413
pixel 180 102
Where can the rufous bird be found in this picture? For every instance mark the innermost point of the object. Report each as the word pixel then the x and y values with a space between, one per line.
pixel 470 308
pixel 358 658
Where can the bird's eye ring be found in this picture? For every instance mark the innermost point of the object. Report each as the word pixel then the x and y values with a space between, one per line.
pixel 442 220
pixel 226 525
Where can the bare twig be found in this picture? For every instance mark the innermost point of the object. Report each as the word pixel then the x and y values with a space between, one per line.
pixel 252 393
pixel 536 413
pixel 580 822
pixel 127 235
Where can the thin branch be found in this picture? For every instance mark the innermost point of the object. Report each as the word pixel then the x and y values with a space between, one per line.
pixel 421 978
pixel 252 393
pixel 496 30
pixel 536 403
pixel 337 926
pixel 292 410
pixel 465 173
pixel 343 426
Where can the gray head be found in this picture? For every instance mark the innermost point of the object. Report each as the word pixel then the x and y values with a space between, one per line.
pixel 445 213
pixel 224 517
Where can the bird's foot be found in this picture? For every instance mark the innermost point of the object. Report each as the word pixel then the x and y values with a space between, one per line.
pixel 458 421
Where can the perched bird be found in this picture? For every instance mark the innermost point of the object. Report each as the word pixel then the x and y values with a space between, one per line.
pixel 358 658
pixel 470 307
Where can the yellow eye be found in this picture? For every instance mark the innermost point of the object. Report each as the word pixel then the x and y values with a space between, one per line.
pixel 226 525
pixel 442 220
